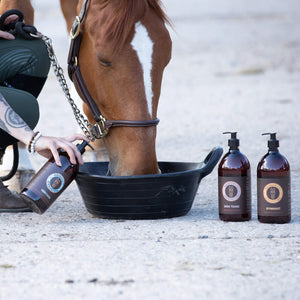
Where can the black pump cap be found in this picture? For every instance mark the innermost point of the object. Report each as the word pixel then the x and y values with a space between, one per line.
pixel 81 147
pixel 233 142
pixel 273 143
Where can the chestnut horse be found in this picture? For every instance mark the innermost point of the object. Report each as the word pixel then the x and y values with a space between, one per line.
pixel 124 49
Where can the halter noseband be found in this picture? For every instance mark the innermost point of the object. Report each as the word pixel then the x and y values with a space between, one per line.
pixel 102 125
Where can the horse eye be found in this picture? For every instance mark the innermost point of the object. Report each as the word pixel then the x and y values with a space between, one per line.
pixel 104 62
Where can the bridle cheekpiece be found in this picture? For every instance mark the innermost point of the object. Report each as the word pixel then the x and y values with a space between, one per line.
pixel 101 127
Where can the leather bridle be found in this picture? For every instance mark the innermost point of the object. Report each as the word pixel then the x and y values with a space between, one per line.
pixel 102 125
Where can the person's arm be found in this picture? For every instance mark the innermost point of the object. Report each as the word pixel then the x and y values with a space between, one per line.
pixel 46 146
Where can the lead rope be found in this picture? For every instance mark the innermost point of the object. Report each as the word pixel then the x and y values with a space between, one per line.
pixel 83 123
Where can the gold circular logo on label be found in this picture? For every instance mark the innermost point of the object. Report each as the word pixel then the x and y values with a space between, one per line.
pixel 273 186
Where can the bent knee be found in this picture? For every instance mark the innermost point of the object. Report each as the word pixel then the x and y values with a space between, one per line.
pixel 23 103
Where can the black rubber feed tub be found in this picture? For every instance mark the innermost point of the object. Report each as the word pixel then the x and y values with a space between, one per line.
pixel 165 195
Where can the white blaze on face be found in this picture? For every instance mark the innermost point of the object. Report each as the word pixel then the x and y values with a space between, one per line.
pixel 143 46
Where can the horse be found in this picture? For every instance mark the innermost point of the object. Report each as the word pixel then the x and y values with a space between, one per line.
pixel 124 50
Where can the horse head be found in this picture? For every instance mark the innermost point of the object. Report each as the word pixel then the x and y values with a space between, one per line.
pixel 124 49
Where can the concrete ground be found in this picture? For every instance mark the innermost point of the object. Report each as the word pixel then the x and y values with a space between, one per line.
pixel 235 67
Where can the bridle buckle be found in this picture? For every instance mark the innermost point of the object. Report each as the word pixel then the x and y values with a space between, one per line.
pixel 99 129
pixel 75 28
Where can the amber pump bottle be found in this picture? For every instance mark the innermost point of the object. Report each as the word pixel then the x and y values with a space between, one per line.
pixel 50 181
pixel 273 185
pixel 234 183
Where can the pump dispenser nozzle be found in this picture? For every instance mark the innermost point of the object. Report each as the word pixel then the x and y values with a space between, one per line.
pixel 81 147
pixel 233 142
pixel 273 143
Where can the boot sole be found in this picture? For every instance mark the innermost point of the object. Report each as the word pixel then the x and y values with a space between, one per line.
pixel 15 210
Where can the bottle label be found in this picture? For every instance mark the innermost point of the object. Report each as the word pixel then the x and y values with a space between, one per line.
pixel 234 195
pixel 273 196
pixel 55 182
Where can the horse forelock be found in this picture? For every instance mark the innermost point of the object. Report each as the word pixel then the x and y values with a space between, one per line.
pixel 123 15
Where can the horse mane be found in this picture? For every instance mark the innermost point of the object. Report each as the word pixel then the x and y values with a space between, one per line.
pixel 124 16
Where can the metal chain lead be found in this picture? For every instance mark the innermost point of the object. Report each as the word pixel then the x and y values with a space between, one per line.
pixel 83 123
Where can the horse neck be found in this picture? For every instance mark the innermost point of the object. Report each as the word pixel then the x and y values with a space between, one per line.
pixel 23 5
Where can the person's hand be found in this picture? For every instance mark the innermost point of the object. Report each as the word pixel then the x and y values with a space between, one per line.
pixel 48 146
pixel 4 34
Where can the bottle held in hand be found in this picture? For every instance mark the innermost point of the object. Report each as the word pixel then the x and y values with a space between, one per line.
pixel 50 181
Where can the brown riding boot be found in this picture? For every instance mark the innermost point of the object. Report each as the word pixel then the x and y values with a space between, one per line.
pixel 10 202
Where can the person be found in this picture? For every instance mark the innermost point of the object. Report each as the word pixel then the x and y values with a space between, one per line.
pixel 24 67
